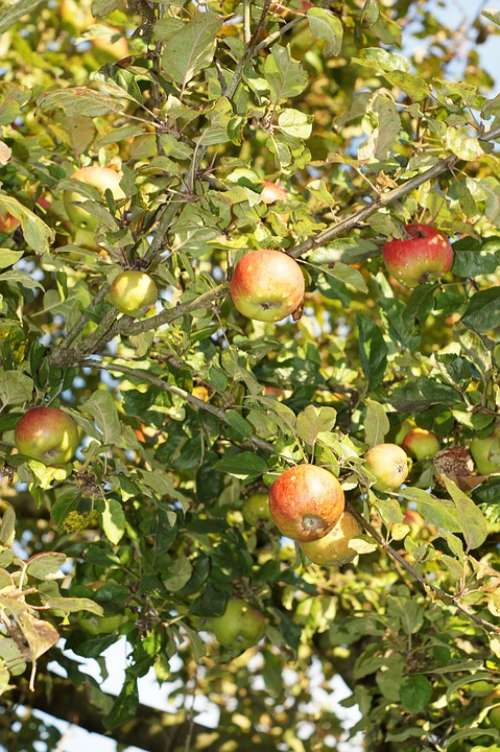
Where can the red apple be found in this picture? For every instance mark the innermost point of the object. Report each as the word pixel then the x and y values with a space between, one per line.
pixel 267 285
pixel 389 465
pixel 240 626
pixel 420 443
pixel 48 435
pixel 273 192
pixel 333 548
pixel 102 178
pixel 132 291
pixel 8 223
pixel 413 259
pixel 306 502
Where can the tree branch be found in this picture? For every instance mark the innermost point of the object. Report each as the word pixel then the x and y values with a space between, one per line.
pixel 441 594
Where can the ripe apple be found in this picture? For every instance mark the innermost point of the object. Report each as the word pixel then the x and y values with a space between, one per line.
pixel 117 49
pixel 132 291
pixel 102 178
pixel 48 435
pixel 272 192
pixel 486 453
pixel 255 508
pixel 333 548
pixel 306 502
pixel 389 464
pixel 425 252
pixel 267 285
pixel 420 443
pixel 240 626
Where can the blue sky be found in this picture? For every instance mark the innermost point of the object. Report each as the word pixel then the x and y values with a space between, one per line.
pixel 452 13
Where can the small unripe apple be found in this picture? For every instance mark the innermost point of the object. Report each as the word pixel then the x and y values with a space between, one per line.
pixel 240 626
pixel 420 443
pixel 267 285
pixel 255 508
pixel 413 259
pixel 133 291
pixel 389 465
pixel 486 453
pixel 8 223
pixel 102 178
pixel 333 548
pixel 48 435
pixel 306 502
pixel 272 192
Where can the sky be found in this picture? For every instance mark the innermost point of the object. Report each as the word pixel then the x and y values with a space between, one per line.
pixel 452 13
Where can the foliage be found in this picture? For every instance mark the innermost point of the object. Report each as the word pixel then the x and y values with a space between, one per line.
pixel 187 410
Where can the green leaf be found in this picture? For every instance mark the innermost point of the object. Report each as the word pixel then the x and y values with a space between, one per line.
pixel 9 257
pixel 474 524
pixel 327 26
pixel 81 100
pixel 416 693
pixel 189 49
pixel 46 565
pixel 113 521
pixel 70 605
pixel 295 123
pixel 8 527
pixel 372 350
pixel 492 15
pixel 37 234
pixel 11 14
pixel 376 423
pixel 483 312
pixel 178 574
pixel 285 76
pixel 348 275
pixel 15 387
pixel 379 59
pixel 439 512
pixel 242 465
pixel 103 409
pixel 21 278
pixel 314 420
pixel 125 706
pixel 422 393
pixel 12 656
pixel 462 145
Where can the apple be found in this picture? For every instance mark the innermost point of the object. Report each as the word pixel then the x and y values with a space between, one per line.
pixel 102 178
pixel 100 625
pixel 132 291
pixel 255 508
pixel 413 259
pixel 420 443
pixel 389 465
pixel 267 285
pixel 9 223
pixel 306 502
pixel 117 49
pixel 48 435
pixel 486 452
pixel 240 626
pixel 79 16
pixel 333 548
pixel 272 192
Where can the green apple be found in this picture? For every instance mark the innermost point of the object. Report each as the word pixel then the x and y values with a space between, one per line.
pixel 255 508
pixel 486 453
pixel 333 548
pixel 132 291
pixel 48 435
pixel 389 465
pixel 420 443
pixel 240 626
pixel 102 178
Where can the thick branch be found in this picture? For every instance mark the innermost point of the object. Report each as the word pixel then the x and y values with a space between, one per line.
pixel 150 729
pixel 441 594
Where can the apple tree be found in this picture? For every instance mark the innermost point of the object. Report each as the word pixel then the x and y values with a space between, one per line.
pixel 249 250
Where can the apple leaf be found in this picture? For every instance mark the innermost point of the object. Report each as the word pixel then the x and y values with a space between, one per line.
pixel 327 26
pixel 473 523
